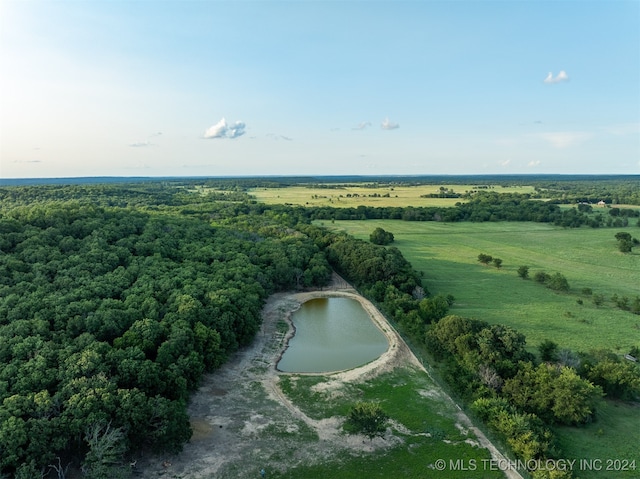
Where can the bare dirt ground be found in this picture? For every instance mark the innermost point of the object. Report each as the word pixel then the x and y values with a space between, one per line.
pixel 243 421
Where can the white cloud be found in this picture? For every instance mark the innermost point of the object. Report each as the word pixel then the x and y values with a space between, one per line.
pixel 533 163
pixel 142 144
pixel 275 137
pixel 505 163
pixel 223 130
pixel 389 125
pixel 564 139
pixel 362 125
pixel 560 77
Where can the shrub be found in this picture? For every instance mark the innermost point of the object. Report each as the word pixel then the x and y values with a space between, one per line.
pixel 381 237
pixel 558 282
pixel 541 277
pixel 485 258
pixel 598 299
pixel 367 418
pixel 548 351
pixel 523 272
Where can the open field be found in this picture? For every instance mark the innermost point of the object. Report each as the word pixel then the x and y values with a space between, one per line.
pixel 614 435
pixel 423 421
pixel 343 196
pixel 447 254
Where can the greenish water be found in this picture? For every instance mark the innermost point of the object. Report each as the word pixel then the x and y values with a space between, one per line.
pixel 332 334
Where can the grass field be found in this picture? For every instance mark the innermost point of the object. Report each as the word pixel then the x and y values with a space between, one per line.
pixel 614 435
pixel 343 196
pixel 588 258
pixel 410 398
pixel 447 254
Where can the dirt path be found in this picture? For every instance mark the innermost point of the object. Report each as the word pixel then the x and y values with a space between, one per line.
pixel 240 408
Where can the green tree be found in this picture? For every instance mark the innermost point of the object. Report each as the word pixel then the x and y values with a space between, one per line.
pixel 553 393
pixel 625 242
pixel 367 418
pixel 558 282
pixel 381 237
pixel 625 246
pixel 485 258
pixel 623 235
pixel 497 262
pixel 541 277
pixel 523 272
pixel 548 351
pixel 619 379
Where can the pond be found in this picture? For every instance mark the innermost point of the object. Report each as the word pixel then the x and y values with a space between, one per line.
pixel 332 334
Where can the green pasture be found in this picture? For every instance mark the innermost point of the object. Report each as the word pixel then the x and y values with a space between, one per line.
pixel 343 196
pixel 588 258
pixel 447 254
pixel 426 419
pixel 613 435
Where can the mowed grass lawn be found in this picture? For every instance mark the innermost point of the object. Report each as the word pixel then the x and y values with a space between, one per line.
pixel 447 253
pixel 344 196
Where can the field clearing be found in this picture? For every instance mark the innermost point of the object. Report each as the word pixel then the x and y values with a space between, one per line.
pixel 588 258
pixel 344 196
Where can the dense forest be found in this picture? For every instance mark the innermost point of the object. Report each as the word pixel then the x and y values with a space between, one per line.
pixel 116 298
pixel 110 316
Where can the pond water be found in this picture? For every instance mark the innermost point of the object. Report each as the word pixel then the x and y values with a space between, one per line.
pixel 332 334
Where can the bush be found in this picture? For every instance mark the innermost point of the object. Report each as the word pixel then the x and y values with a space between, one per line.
pixel 548 351
pixel 381 237
pixel 485 258
pixel 523 272
pixel 367 418
pixel 598 299
pixel 524 433
pixel 541 277
pixel 558 282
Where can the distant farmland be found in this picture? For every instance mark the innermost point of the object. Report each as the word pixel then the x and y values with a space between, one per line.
pixel 349 195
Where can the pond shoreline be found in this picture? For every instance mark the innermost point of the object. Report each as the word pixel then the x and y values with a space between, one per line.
pixel 236 404
pixel 291 332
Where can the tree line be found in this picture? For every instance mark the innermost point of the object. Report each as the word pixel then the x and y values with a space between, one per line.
pixel 486 206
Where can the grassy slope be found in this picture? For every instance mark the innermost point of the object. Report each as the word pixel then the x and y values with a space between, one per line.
pixel 447 253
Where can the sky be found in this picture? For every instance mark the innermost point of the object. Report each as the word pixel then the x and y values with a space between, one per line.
pixel 238 88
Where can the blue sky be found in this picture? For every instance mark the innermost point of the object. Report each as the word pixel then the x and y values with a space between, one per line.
pixel 154 88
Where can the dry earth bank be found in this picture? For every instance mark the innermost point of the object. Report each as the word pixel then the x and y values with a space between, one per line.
pixel 243 422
